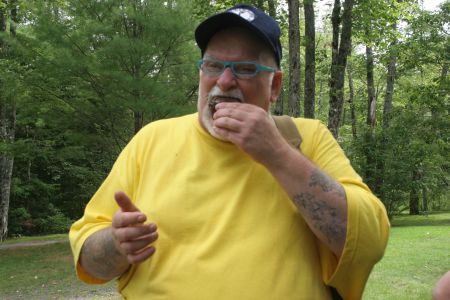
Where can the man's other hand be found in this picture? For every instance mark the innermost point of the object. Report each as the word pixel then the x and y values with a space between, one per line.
pixel 131 235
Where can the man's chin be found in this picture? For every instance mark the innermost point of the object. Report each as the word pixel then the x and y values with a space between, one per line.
pixel 207 123
pixel 214 134
pixel 217 136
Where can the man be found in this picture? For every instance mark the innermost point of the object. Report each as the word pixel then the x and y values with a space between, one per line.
pixel 217 205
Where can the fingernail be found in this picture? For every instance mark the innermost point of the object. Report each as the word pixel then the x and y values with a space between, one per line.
pixel 141 219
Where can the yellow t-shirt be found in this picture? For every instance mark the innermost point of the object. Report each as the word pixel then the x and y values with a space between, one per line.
pixel 227 230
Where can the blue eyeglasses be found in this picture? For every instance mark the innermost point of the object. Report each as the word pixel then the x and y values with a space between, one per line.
pixel 240 69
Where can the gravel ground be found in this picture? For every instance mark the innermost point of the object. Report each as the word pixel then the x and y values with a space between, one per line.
pixel 30 244
pixel 70 291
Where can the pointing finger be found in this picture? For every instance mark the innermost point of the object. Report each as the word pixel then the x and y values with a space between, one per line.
pixel 124 202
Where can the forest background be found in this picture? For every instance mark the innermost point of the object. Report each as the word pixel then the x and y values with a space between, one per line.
pixel 79 78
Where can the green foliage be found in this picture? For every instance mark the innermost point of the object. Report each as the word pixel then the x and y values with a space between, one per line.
pixel 85 75
pixel 18 219
pixel 53 221
pixel 50 221
pixel 410 157
pixel 416 141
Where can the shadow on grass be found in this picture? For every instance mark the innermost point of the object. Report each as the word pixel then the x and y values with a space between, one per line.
pixel 431 219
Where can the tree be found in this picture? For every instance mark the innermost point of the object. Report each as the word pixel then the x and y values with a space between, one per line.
pixel 373 26
pixel 430 39
pixel 123 49
pixel 341 46
pixel 392 66
pixel 371 99
pixel 278 108
pixel 351 99
pixel 294 59
pixel 372 153
pixel 8 84
pixel 94 73
pixel 310 59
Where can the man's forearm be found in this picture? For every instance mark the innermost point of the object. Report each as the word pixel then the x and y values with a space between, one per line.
pixel 101 258
pixel 319 198
pixel 323 205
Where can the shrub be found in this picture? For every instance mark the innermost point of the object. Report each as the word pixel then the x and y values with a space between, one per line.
pixel 19 221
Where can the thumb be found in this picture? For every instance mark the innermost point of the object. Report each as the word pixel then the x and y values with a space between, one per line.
pixel 124 202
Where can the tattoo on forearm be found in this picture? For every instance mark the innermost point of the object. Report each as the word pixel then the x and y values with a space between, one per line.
pixel 102 257
pixel 321 214
pixel 325 183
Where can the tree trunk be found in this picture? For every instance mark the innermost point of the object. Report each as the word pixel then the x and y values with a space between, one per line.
pixel 414 194
pixel 320 100
pixel 341 46
pixel 413 202
pixel 310 60
pixel 134 29
pixel 279 106
pixel 392 67
pixel 351 100
pixel 294 59
pixel 371 103
pixel 138 121
pixel 387 111
pixel 443 85
pixel 6 167
pixel 387 108
pixel 3 19
pixel 425 199
pixel 13 21
pixel 371 150
pixel 7 126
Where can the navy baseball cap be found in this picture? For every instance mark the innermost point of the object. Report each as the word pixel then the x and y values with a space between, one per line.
pixel 247 16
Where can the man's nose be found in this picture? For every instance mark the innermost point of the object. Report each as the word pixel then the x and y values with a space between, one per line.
pixel 227 80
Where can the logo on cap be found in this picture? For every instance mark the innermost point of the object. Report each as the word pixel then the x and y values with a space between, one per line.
pixel 244 13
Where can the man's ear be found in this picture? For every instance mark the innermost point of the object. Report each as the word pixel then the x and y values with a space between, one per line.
pixel 277 83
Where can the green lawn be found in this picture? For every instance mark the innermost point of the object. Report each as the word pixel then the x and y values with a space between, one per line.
pixel 45 272
pixel 418 254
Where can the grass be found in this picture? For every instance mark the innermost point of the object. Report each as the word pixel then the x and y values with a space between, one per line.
pixel 45 272
pixel 432 219
pixel 418 253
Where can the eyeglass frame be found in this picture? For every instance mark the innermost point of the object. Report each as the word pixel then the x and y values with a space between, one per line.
pixel 231 64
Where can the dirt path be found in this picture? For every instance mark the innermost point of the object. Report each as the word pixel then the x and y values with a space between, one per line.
pixel 30 244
